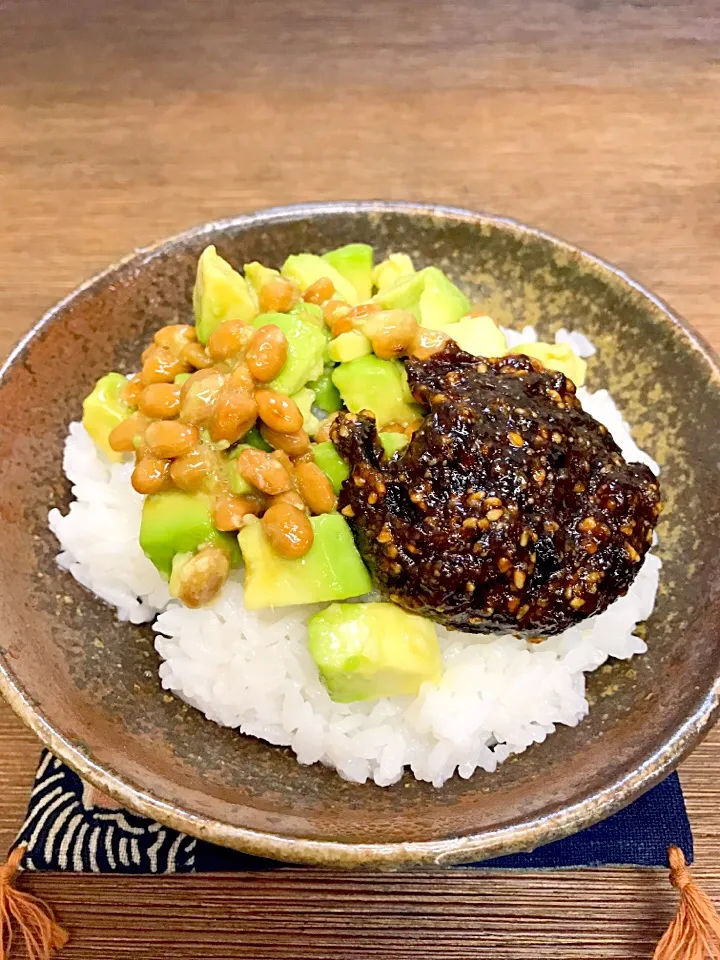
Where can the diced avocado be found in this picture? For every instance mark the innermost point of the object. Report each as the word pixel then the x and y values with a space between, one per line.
pixel 354 262
pixel 349 346
pixel 434 299
pixel 306 349
pixel 330 570
pixel 556 356
pixel 220 294
pixel 257 274
pixel 365 651
pixel 331 463
pixel 327 397
pixel 308 311
pixel 104 409
pixel 181 377
pixel 478 335
pixel 306 268
pixel 441 302
pixel 380 386
pixel 176 522
pixel 391 270
pixel 305 399
pixel 253 438
pixel 404 294
pixel 392 442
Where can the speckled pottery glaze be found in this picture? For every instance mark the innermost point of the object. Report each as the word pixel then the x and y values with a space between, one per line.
pixel 88 685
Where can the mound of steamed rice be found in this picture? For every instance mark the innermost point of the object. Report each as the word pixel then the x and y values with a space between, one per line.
pixel 250 670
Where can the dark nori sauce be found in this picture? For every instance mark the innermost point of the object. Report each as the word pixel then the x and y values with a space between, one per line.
pixel 510 510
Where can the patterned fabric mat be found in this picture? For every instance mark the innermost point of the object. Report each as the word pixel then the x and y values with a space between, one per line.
pixel 71 826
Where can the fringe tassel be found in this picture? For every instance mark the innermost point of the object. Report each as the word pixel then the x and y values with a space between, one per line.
pixel 694 934
pixel 32 916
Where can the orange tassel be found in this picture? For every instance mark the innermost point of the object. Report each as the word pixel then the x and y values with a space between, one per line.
pixel 29 914
pixel 694 934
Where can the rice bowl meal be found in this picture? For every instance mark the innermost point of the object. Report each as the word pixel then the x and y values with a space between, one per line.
pixel 367 522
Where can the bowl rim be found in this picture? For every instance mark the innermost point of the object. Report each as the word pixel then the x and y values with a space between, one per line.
pixel 516 837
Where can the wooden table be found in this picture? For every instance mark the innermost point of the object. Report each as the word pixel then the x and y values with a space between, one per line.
pixel 126 121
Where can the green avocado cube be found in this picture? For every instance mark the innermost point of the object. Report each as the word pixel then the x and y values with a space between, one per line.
pixel 404 294
pixel 176 522
pixel 379 386
pixel 104 409
pixel 257 274
pixel 392 442
pixel 304 401
pixel 309 311
pixel 365 651
pixel 220 294
pixel 480 336
pixel 434 299
pixel 306 349
pixel 349 346
pixel 327 397
pixel 331 569
pixel 354 262
pixel 306 268
pixel 253 438
pixel 441 302
pixel 331 463
pixel 389 271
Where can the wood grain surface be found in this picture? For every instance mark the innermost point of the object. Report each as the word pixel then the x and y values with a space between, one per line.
pixel 125 121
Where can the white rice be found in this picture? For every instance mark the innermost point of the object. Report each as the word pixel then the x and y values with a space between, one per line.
pixel 249 670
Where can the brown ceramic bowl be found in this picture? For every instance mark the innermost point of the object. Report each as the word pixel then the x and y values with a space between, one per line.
pixel 99 706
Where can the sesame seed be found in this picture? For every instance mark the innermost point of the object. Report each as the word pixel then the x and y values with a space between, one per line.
pixel 631 552
pixel 519 579
pixel 503 564
pixel 495 514
pixel 347 511
pixel 577 602
pixel 515 439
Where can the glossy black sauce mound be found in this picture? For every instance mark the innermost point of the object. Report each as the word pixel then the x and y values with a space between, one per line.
pixel 510 510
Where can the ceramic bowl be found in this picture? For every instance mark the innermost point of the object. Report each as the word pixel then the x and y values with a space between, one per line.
pixel 88 685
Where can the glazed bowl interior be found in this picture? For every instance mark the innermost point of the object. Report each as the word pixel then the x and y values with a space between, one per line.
pixel 88 684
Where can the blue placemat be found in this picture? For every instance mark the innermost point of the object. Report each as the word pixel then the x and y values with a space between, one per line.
pixel 69 826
